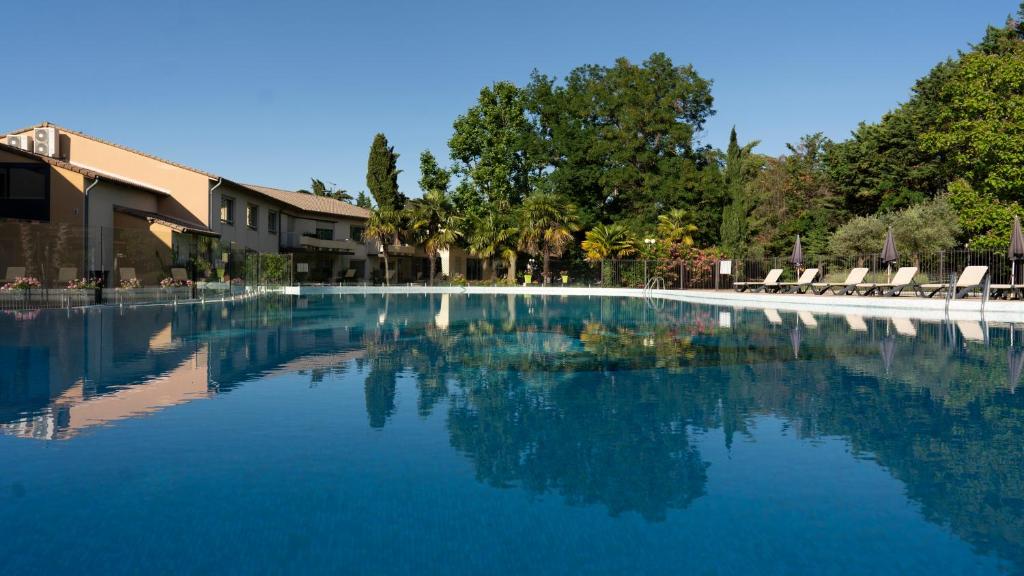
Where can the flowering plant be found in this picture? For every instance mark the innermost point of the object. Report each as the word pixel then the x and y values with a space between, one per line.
pixel 23 283
pixel 84 283
pixel 131 283
pixel 172 283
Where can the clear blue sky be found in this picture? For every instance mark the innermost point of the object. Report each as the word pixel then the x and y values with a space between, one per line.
pixel 274 93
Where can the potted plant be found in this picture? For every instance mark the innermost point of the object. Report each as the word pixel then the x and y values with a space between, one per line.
pixel 527 278
pixel 88 284
pixel 23 285
pixel 130 284
pixel 565 277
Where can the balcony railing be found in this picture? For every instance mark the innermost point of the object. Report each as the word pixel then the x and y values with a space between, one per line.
pixel 294 240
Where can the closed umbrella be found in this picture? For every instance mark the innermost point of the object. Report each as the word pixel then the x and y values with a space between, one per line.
pixel 794 339
pixel 797 258
pixel 888 349
pixel 889 254
pixel 1016 251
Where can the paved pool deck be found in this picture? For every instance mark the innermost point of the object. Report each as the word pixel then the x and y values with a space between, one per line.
pixel 869 306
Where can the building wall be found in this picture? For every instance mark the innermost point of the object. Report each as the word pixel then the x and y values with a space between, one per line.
pixel 259 239
pixel 66 190
pixel 190 189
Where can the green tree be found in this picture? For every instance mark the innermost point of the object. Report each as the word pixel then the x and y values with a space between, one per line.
pixel 926 228
pixel 491 235
pixel 793 195
pixel 318 188
pixel 432 176
pixel 740 169
pixel 363 200
pixel 384 226
pixel 548 222
pixel 621 139
pixel 859 237
pixel 493 149
pixel 382 174
pixel 434 224
pixel 984 220
pixel 605 241
pixel 980 124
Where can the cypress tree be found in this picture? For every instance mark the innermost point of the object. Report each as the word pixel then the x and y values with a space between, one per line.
pixel 382 174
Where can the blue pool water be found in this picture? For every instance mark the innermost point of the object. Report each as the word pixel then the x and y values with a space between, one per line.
pixel 417 434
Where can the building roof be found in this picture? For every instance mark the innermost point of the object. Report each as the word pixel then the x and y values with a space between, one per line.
pixel 311 203
pixel 176 224
pixel 115 145
pixel 88 173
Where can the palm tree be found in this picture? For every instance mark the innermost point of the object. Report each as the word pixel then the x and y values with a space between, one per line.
pixel 548 223
pixel 384 226
pixel 676 227
pixel 493 235
pixel 433 221
pixel 608 241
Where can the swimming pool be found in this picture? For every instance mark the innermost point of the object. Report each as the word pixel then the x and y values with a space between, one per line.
pixel 467 434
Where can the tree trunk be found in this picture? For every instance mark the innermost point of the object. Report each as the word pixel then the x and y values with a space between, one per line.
pixel 387 272
pixel 432 264
pixel 547 266
pixel 485 263
pixel 511 275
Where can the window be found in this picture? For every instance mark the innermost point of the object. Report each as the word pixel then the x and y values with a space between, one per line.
pixel 325 233
pixel 357 233
pixel 227 210
pixel 272 222
pixel 25 191
pixel 252 214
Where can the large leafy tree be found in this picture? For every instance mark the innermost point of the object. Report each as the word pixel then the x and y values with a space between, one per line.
pixel 793 195
pixel 548 222
pixel 382 174
pixel 621 139
pixel 319 188
pixel 494 151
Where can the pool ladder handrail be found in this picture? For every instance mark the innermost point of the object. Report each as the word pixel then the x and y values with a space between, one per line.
pixel 654 283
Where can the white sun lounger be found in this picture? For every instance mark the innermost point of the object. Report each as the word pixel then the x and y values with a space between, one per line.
pixel 972 277
pixel 770 282
pixel 848 286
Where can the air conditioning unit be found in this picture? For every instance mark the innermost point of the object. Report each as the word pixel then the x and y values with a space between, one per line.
pixel 19 141
pixel 46 141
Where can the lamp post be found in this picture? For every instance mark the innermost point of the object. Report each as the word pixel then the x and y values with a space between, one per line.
pixel 650 242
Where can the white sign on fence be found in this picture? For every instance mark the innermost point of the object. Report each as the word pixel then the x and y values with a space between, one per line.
pixel 725 267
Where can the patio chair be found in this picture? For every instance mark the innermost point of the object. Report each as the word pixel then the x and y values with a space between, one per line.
pixel 802 284
pixel 771 281
pixel 846 287
pixel 972 277
pixel 14 272
pixel 66 275
pixel 903 279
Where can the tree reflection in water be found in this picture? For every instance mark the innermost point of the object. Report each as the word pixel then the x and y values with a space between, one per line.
pixel 599 401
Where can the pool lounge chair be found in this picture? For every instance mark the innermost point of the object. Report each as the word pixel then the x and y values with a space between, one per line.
pixel 856 323
pixel 846 287
pixel 802 284
pixel 903 279
pixel 350 276
pixel 14 272
pixel 773 316
pixel 807 319
pixel 904 326
pixel 66 275
pixel 127 274
pixel 179 274
pixel 972 277
pixel 1006 291
pixel 770 282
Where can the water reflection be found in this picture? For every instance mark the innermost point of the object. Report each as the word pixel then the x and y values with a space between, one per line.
pixel 598 401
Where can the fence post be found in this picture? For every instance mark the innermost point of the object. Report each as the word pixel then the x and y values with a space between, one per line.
pixel 680 274
pixel 645 272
